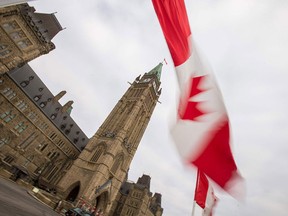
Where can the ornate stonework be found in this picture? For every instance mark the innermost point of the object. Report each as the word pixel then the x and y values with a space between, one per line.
pixel 41 144
pixel 108 154
pixel 24 35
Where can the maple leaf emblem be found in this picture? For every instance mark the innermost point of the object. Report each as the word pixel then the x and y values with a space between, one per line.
pixel 189 110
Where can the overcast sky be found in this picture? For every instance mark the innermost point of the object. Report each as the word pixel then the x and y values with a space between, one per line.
pixel 108 43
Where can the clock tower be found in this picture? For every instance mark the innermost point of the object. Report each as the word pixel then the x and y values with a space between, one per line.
pixel 98 173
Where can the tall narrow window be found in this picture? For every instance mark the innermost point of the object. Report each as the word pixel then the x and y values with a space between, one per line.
pixel 42 146
pixel 9 159
pixel 9 93
pixel 53 136
pixel 4 141
pixel 3 115
pixel 52 173
pixel 20 127
pixel 21 105
pixel 98 152
pixel 32 116
pixel 9 117
pixel 26 142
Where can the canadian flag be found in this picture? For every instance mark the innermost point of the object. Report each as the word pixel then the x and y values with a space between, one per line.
pixel 204 194
pixel 201 132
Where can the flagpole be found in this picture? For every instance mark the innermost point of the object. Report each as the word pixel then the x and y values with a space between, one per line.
pixel 193 208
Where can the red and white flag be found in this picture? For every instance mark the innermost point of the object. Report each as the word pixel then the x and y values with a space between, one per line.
pixel 204 194
pixel 201 133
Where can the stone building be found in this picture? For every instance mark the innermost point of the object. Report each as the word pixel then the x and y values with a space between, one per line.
pixel 38 137
pixel 106 159
pixel 24 35
pixel 136 199
pixel 41 144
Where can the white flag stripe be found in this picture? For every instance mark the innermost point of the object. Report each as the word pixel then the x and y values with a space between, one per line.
pixel 192 147
pixel 210 201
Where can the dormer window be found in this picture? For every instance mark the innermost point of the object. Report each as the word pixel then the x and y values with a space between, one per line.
pixel 53 116
pixel 43 104
pixel 63 126
pixel 64 117
pixel 57 109
pixel 24 83
pixel 41 89
pixel 37 97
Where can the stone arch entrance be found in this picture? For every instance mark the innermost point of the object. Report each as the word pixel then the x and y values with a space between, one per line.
pixel 101 201
pixel 72 195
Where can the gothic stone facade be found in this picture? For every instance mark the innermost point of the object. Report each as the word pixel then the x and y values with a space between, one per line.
pixel 40 141
pixel 108 154
pixel 38 138
pixel 24 35
pixel 136 199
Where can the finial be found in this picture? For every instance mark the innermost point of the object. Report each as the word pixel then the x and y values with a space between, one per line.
pixel 164 60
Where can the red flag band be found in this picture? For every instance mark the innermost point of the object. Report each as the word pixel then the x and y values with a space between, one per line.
pixel 204 194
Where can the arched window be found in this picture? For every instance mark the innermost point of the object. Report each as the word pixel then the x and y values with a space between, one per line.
pixel 98 152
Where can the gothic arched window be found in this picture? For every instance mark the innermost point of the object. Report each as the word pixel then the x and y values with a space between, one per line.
pixel 98 152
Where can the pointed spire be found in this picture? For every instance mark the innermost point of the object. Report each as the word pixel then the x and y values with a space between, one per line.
pixel 68 107
pixel 157 70
pixel 59 96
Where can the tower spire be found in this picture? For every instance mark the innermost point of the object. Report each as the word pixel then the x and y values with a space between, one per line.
pixel 109 153
pixel 157 70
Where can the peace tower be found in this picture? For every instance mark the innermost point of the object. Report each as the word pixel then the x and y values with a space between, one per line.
pixel 102 167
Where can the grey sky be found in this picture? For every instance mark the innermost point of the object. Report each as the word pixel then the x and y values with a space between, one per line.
pixel 110 42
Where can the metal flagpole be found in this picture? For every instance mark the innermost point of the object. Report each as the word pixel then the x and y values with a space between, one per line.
pixel 193 209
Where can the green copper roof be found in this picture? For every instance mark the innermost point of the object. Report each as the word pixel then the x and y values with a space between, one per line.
pixel 157 70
